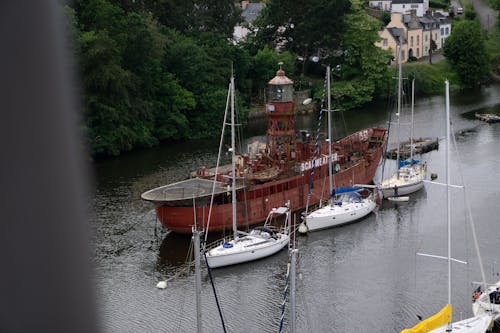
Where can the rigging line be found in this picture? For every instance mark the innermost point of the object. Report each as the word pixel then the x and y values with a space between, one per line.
pixel 285 293
pixel 215 293
pixel 217 165
pixel 469 213
pixel 316 147
pixel 390 106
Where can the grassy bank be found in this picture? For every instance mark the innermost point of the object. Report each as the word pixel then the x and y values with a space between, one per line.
pixel 429 78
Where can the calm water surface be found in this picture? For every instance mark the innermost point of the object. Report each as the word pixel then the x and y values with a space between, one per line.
pixel 362 277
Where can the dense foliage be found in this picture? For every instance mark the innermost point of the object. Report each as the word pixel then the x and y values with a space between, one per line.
pixel 153 71
pixel 466 52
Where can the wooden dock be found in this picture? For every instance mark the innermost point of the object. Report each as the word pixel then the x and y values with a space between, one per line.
pixel 488 117
pixel 420 146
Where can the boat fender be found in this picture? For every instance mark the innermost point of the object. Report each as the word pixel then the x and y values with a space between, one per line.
pixel 227 245
pixel 303 228
pixel 434 176
pixel 337 168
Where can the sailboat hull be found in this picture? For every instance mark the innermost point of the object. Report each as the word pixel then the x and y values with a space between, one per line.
pixel 403 189
pixel 245 249
pixel 334 215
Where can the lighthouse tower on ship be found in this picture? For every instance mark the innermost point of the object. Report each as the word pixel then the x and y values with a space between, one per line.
pixel 281 120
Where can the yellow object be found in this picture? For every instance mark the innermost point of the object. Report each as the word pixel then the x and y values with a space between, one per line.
pixel 439 319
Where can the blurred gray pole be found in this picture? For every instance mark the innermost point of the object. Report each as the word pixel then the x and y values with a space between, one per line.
pixel 197 275
pixel 46 281
pixel 293 327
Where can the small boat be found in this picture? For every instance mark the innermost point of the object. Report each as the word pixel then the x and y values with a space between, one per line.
pixel 347 204
pixel 438 323
pixel 484 302
pixel 410 174
pixel 259 242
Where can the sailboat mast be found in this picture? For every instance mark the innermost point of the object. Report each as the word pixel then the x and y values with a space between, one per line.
pixel 233 160
pixel 330 162
pixel 411 127
pixel 448 202
pixel 400 79
pixel 197 270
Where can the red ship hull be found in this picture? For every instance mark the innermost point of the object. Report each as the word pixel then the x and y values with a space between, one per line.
pixel 255 201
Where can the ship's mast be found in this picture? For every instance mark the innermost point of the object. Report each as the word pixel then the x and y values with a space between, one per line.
pixel 330 162
pixel 400 87
pixel 233 160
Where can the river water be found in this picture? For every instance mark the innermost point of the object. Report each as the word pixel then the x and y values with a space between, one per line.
pixel 362 277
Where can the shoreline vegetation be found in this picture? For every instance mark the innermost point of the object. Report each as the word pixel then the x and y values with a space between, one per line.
pixel 157 71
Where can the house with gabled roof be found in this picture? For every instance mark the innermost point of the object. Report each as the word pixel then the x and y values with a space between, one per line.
pixel 431 32
pixel 390 39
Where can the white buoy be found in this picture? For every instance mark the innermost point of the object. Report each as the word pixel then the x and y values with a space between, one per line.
pixel 161 285
pixel 303 228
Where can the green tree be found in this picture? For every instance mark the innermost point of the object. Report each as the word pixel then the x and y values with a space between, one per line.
pixel 466 52
pixel 363 67
pixel 432 48
pixel 264 66
pixel 192 16
pixel 305 28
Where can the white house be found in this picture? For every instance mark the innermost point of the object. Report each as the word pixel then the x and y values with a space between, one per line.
pixel 381 4
pixel 444 26
pixel 404 6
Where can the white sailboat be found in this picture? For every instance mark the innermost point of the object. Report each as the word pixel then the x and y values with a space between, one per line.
pixel 410 174
pixel 346 204
pixel 442 321
pixel 259 242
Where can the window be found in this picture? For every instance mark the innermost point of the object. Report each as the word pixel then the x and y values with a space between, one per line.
pixel 442 31
pixel 418 52
pixel 435 36
pixel 426 38
pixel 403 54
pixel 418 40
pixel 411 41
pixel 447 30
pixel 426 49
pixel 414 6
pixel 384 42
pixel 403 6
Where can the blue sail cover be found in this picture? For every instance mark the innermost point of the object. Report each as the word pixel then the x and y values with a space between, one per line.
pixel 341 190
pixel 407 162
